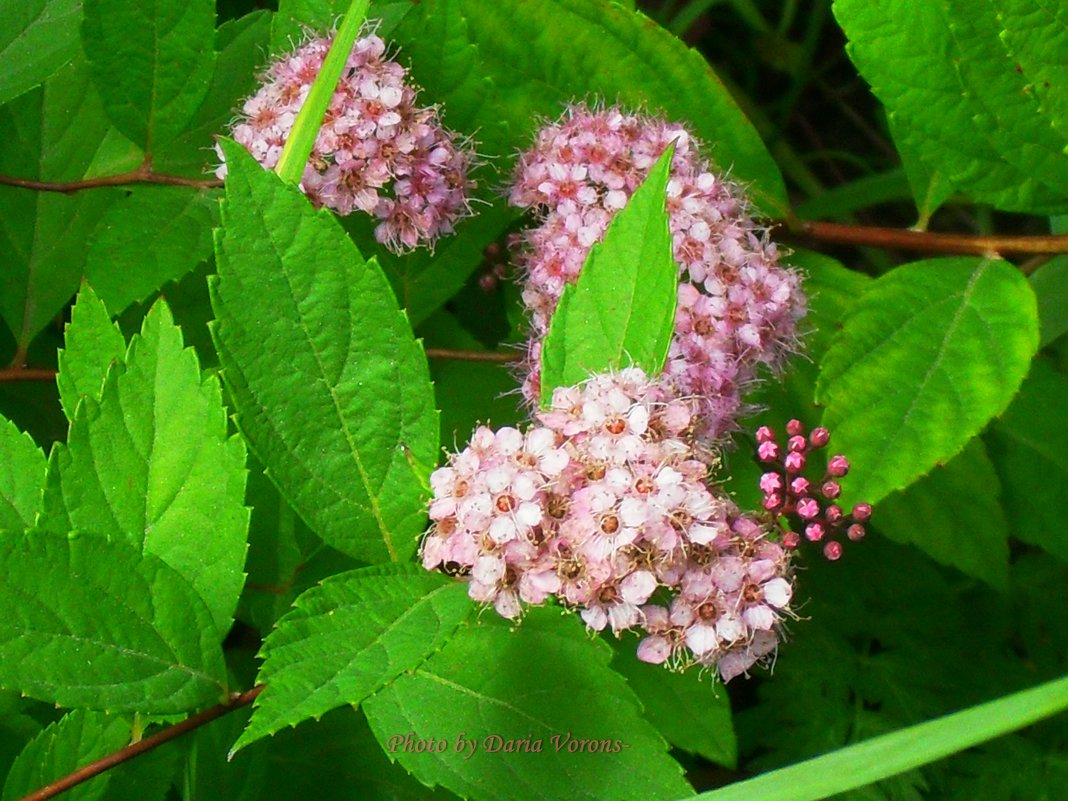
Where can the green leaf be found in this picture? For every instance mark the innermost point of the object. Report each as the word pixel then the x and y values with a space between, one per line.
pixel 349 637
pixel 152 464
pixel 875 759
pixel 1050 283
pixel 934 350
pixel 542 55
pixel 154 235
pixel 515 696
pixel 1029 445
pixel 296 17
pixel 954 515
pixel 92 344
pixel 52 133
pixel 36 40
pixel 241 778
pixel 966 96
pixel 152 63
pixel 22 470
pixel 693 712
pixel 92 623
pixel 622 308
pixel 331 388
pixel 78 738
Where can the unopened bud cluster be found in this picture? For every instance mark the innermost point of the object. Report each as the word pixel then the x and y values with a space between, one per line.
pixel 806 505
pixel 604 504
pixel 737 307
pixel 376 152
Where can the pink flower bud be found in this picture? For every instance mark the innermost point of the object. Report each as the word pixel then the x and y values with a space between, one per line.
pixel 833 551
pixel 831 489
pixel 833 514
pixel 862 512
pixel 791 539
pixel 773 501
pixel 808 508
pixel 794 462
pixel 814 532
pixel 855 532
pixel 800 486
pixel 768 451
pixel 765 434
pixel 795 428
pixel 819 437
pixel 797 444
pixel 838 466
pixel 770 482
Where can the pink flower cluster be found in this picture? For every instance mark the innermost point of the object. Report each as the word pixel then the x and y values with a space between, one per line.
pixel 376 150
pixel 807 505
pixel 737 309
pixel 604 504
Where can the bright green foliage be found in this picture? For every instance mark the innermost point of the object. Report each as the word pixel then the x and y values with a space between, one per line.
pixel 544 679
pixel 36 39
pixel 347 638
pixel 622 308
pixel 171 46
pixel 933 351
pixel 1029 445
pixel 91 623
pixel 691 711
pixel 92 344
pixel 152 464
pixel 296 17
pixel 954 515
pixel 77 739
pixel 969 92
pixel 22 469
pixel 51 133
pixel 152 236
pixel 542 55
pixel 331 388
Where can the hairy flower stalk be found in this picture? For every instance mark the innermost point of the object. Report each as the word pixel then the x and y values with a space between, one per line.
pixel 738 308
pixel 604 504
pixel 376 152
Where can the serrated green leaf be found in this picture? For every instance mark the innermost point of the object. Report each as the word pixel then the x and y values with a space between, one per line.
pixel 154 235
pixel 934 350
pixel 542 55
pixel 36 40
pixel 52 133
pixel 621 310
pixel 152 62
pixel 691 711
pixel 75 740
pixel 491 685
pixel 349 637
pixel 332 390
pixel 954 514
pixel 22 470
pixel 91 623
pixel 960 97
pixel 152 464
pixel 92 343
pixel 295 17
pixel 1029 445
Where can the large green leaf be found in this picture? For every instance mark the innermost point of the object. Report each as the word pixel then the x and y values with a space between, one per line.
pixel 524 701
pixel 152 62
pixel 968 89
pixel 22 469
pixel 543 55
pixel 296 17
pixel 1029 445
pixel 933 351
pixel 954 514
pixel 92 623
pixel 331 388
pixel 37 38
pixel 152 464
pixel 51 133
pixel 347 638
pixel 73 741
pixel 92 343
pixel 154 235
pixel 622 308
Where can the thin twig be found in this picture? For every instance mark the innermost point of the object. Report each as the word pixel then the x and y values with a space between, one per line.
pixel 142 175
pixel 473 355
pixel 903 239
pixel 236 701
pixel 27 374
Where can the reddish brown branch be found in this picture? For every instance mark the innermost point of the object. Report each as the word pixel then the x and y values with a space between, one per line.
pixel 27 374
pixel 142 175
pixel 236 701
pixel 473 355
pixel 903 239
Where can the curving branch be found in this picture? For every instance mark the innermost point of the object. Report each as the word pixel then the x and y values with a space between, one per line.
pixel 142 175
pixel 906 239
pixel 473 355
pixel 235 701
pixel 27 374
